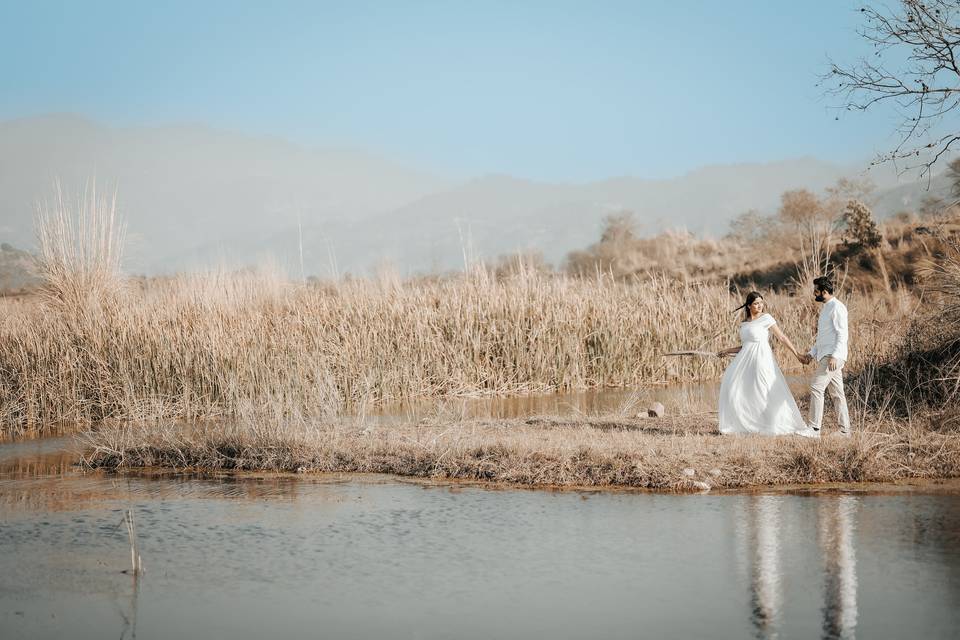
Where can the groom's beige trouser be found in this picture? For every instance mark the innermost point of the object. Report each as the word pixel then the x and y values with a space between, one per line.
pixel 832 383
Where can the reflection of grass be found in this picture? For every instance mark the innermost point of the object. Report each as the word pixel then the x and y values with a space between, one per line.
pixel 682 453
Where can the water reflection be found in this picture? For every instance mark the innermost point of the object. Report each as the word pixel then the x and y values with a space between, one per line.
pixel 763 538
pixel 762 532
pixel 836 517
pixel 374 558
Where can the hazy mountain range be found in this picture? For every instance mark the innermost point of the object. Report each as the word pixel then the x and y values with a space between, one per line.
pixel 195 196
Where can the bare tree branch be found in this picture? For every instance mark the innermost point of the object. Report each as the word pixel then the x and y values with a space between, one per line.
pixel 914 66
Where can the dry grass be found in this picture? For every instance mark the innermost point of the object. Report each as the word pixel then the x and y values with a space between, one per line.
pixel 210 346
pixel 81 244
pixel 95 347
pixel 771 253
pixel 923 367
pixel 250 371
pixel 683 454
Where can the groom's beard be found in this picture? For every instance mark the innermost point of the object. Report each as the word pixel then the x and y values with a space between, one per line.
pixel 818 298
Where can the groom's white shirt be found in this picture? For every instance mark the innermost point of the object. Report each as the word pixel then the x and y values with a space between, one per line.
pixel 831 331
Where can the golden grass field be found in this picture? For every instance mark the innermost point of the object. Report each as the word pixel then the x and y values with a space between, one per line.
pixel 207 346
pixel 249 370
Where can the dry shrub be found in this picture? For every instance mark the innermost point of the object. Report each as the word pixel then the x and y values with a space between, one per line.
pixel 809 235
pixel 922 371
pixel 676 254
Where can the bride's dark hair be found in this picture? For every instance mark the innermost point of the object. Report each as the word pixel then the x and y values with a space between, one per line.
pixel 752 297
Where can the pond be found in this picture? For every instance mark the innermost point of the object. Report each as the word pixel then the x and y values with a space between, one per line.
pixel 367 556
pixel 700 397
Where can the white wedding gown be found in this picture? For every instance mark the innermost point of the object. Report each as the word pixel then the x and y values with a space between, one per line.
pixel 754 394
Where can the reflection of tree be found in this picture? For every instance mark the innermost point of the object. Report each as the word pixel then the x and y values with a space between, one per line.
pixel 836 518
pixel 764 540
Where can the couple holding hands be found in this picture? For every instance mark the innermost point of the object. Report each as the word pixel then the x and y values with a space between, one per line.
pixel 754 394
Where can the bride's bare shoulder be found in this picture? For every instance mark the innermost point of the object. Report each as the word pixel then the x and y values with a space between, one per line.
pixel 766 317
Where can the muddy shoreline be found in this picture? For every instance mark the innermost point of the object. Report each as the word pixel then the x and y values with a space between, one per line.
pixel 676 454
pixel 63 456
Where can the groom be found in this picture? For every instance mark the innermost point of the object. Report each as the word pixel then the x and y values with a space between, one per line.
pixel 830 352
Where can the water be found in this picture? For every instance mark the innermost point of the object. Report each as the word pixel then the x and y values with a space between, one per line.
pixel 360 556
pixel 700 397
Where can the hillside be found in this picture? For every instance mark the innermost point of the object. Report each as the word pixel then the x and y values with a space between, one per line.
pixel 193 188
pixel 195 196
pixel 16 272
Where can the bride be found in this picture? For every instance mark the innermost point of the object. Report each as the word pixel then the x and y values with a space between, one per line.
pixel 754 395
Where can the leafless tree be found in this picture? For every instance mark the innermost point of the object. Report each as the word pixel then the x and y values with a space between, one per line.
pixel 813 223
pixel 751 228
pixel 915 67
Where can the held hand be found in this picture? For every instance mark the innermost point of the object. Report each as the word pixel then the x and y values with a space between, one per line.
pixel 832 364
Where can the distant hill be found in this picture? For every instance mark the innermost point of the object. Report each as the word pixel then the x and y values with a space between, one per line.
pixel 196 196
pixel 186 189
pixel 495 215
pixel 16 272
pixel 499 214
pixel 911 196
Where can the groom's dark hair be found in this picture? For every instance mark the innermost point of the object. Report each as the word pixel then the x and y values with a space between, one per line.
pixel 823 283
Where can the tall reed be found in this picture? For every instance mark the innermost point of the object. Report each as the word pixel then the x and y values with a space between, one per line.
pixel 222 344
pixel 213 345
pixel 80 241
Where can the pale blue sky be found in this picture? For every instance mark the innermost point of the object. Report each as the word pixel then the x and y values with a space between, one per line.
pixel 544 90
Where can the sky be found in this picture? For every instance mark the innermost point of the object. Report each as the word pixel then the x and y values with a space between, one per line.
pixel 557 91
